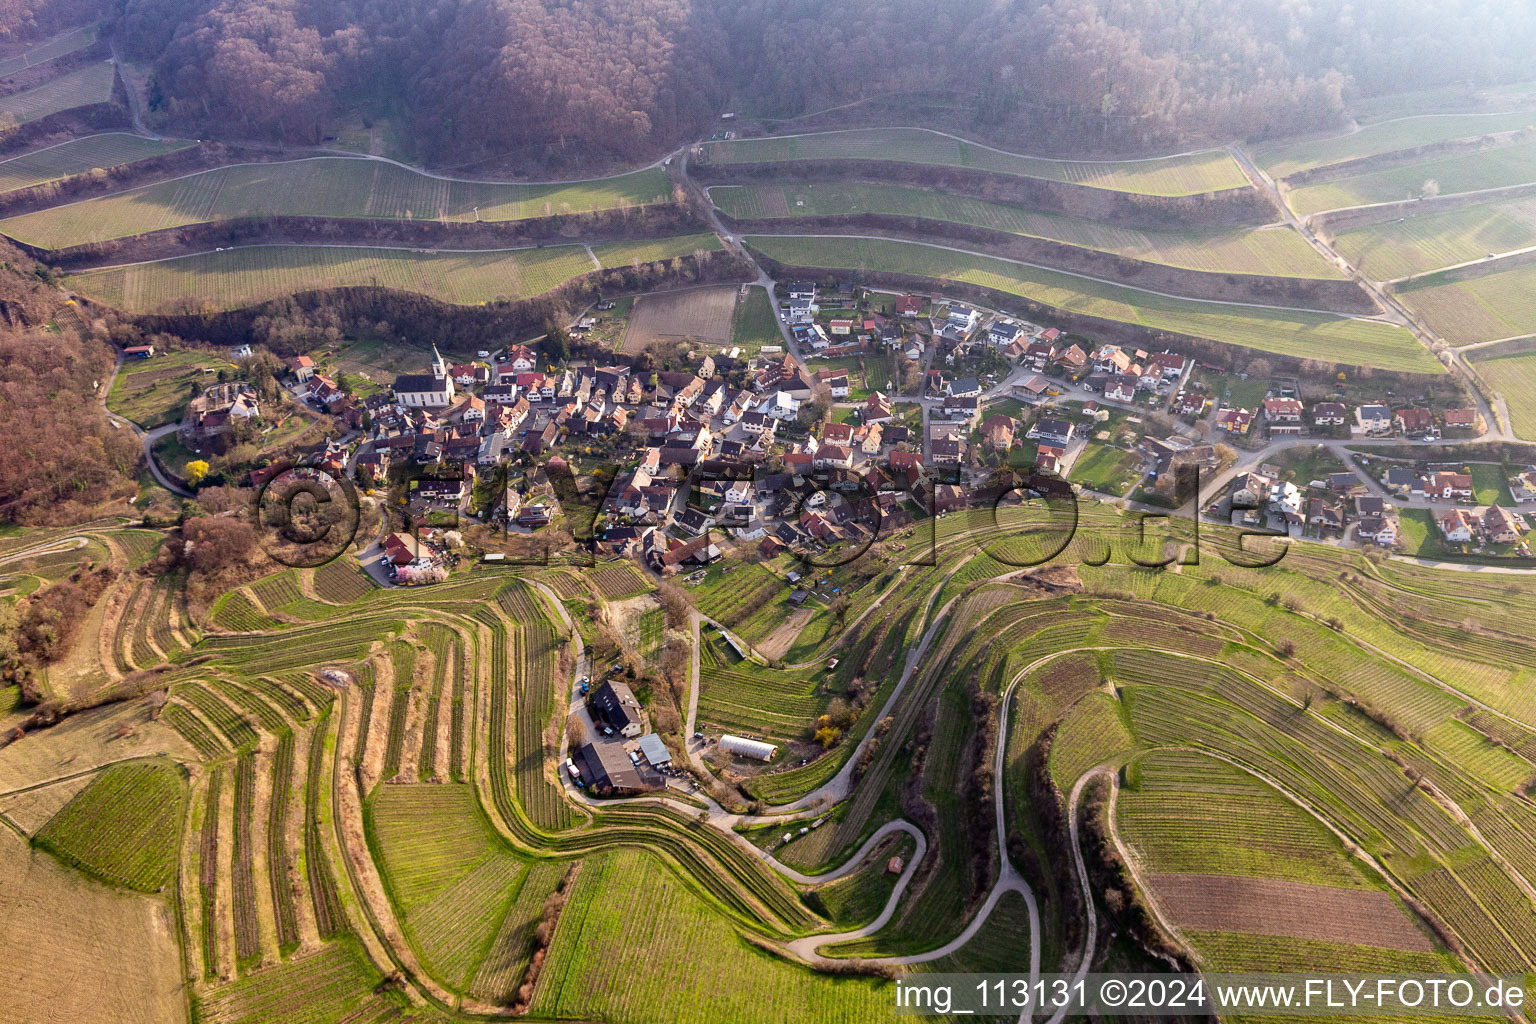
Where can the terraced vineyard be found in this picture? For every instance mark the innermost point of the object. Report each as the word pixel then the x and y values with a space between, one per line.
pixel 242 276
pixel 1466 306
pixel 1286 158
pixel 77 156
pixel 1287 332
pixel 1395 249
pixel 91 84
pixel 1514 378
pixel 1272 250
pixel 1500 167
pixel 376 791
pixel 327 186
pixel 1208 171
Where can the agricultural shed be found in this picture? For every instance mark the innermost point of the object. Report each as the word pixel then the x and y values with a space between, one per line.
pixel 749 748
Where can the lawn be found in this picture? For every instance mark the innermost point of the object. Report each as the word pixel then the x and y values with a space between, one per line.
pixel 155 391
pixel 1277 250
pixel 1420 535
pixel 1498 167
pixel 756 323
pixel 1206 171
pixel 91 84
pixel 77 156
pixel 1491 484
pixel 1106 469
pixel 323 187
pixel 1514 378
pixel 1285 332
pixel 240 277
pixel 1284 158
pixel 1400 248
pixel 1465 308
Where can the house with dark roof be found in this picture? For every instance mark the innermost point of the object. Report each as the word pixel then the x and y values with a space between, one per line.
pixel 613 704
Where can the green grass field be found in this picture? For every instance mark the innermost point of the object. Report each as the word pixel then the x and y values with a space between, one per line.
pixel 77 156
pixel 240 277
pixel 1499 167
pixel 1392 249
pixel 323 187
pixel 1284 158
pixel 1514 377
pixel 90 84
pixel 756 322
pixel 156 390
pixel 1206 171
pixel 1485 308
pixel 1277 251
pixel 1285 332
pixel 58 46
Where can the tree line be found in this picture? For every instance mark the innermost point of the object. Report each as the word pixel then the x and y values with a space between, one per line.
pixel 626 79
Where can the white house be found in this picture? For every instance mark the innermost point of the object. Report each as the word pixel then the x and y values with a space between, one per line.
pixel 780 406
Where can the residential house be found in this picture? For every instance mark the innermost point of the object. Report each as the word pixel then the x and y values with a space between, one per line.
pixel 998 430
pixel 1048 458
pixel 613 704
pixel 962 410
pixel 1457 527
pixel 1234 421
pixel 1283 415
pixel 520 358
pixel 833 456
pixel 965 387
pixel 1501 526
pixel 1523 485
pixel 1325 516
pixel 1073 359
pixel 1039 355
pixel 1447 486
pixel 1051 431
pixel 302 367
pixel 1460 422
pixel 961 319
pixel 1378 530
pixel 780 406
pixel 1122 388
pixel 909 306
pixel 1169 365
pixel 1251 490
pixel 1415 422
pixel 1329 414
pixel 877 408
pixel 1400 480
pixel 1003 333
pixel 945 451
pixel 1373 419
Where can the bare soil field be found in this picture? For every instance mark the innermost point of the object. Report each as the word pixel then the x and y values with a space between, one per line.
pixel 30 809
pixel 49 914
pixel 1265 906
pixel 702 313
pixel 784 636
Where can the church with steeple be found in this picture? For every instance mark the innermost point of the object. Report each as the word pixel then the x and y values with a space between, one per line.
pixel 426 390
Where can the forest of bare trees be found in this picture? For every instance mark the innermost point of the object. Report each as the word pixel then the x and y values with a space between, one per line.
pixel 620 80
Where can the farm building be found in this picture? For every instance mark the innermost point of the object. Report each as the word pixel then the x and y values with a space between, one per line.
pixel 655 751
pixel 609 771
pixel 614 704
pixel 749 748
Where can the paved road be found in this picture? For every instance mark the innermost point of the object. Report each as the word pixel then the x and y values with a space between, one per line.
pixel 148 438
